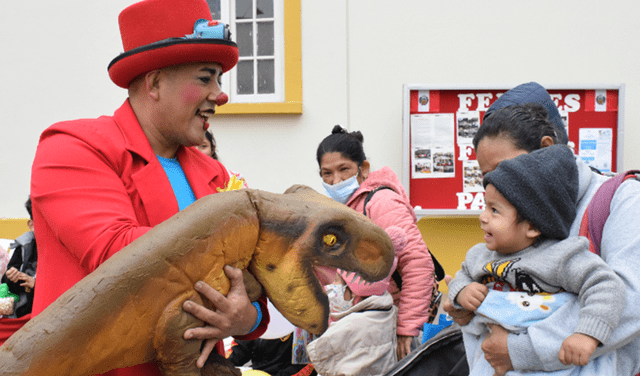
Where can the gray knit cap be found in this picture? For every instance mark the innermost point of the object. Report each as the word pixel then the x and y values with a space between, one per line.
pixel 542 186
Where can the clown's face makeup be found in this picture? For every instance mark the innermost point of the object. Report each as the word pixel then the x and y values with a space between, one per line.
pixel 187 96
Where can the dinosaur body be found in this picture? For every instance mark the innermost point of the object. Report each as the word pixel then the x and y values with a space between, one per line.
pixel 129 310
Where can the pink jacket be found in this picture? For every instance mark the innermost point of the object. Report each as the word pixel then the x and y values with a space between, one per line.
pixel 391 211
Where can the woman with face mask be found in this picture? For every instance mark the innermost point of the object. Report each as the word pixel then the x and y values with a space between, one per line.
pixel 347 178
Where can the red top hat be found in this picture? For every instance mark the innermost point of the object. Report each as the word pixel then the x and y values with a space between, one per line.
pixel 160 33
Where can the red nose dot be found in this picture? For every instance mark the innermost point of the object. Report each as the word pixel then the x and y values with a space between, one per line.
pixel 221 99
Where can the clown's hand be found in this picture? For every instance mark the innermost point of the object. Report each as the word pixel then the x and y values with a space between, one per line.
pixel 233 315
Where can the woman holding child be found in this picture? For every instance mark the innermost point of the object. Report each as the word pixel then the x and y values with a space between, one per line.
pixel 619 248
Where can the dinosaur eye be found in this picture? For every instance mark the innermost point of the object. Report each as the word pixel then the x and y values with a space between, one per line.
pixel 329 239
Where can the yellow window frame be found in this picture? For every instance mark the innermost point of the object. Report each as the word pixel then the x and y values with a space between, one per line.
pixel 292 71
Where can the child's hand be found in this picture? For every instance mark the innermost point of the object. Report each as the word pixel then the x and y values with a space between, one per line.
pixel 577 349
pixel 459 315
pixel 472 296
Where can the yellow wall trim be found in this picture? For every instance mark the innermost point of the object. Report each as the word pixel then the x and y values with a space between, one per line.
pixel 11 228
pixel 292 71
pixel 260 108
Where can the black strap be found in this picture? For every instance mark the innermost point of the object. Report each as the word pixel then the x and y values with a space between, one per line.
pixel 370 194
pixel 439 270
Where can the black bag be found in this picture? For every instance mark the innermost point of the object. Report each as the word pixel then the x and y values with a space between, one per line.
pixel 442 355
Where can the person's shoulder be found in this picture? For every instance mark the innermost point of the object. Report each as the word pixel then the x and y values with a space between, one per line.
pixel 95 131
pixel 631 185
pixel 478 249
pixel 626 198
pixel 563 247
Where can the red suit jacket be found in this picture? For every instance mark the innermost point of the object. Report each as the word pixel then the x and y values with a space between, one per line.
pixel 96 186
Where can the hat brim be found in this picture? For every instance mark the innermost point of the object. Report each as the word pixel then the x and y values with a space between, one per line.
pixel 129 65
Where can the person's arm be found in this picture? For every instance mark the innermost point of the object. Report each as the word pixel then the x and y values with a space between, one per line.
pixel 600 290
pixel 415 264
pixel 466 275
pixel 459 315
pixel 470 271
pixel 82 198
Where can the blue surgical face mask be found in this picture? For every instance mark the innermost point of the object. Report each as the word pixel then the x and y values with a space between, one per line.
pixel 342 191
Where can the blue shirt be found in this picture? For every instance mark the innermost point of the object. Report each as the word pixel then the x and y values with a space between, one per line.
pixel 181 188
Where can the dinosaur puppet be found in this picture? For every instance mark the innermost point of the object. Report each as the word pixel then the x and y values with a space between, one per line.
pixel 129 310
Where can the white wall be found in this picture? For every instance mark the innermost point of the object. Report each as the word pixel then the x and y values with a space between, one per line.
pixel 356 56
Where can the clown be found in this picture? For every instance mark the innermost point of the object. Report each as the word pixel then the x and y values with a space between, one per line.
pixel 99 184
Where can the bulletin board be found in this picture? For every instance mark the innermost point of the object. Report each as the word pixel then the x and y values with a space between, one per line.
pixel 440 170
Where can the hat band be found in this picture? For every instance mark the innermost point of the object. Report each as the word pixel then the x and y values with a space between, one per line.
pixel 169 42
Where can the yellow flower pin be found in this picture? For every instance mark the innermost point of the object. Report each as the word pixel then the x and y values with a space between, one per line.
pixel 234 184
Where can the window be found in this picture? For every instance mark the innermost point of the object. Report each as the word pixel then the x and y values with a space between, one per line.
pixel 268 77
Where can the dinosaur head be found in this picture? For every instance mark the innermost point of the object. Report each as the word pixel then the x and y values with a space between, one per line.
pixel 304 237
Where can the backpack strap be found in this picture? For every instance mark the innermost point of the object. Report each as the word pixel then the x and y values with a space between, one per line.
pixel 599 209
pixel 370 194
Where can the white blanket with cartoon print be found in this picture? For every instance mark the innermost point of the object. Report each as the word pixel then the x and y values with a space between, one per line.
pixel 515 311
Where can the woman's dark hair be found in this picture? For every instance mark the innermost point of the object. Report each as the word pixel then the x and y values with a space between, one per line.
pixel 524 124
pixel 212 141
pixel 28 206
pixel 349 144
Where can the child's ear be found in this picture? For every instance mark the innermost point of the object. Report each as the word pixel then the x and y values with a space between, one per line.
pixel 532 232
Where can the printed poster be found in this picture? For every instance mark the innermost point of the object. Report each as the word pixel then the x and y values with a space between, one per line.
pixel 432 146
pixel 471 177
pixel 595 147
pixel 467 123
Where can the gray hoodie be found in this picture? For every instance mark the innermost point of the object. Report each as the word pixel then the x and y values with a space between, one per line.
pixel 620 249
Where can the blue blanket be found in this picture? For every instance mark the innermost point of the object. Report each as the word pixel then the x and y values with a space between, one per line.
pixel 515 311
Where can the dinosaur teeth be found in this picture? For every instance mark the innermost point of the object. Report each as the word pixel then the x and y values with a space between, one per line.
pixel 354 279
